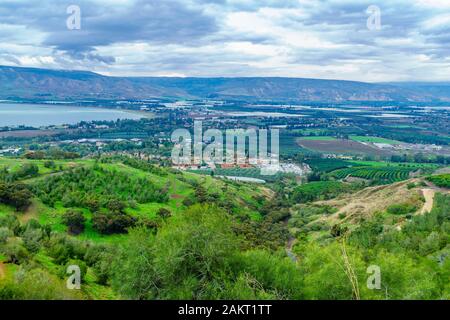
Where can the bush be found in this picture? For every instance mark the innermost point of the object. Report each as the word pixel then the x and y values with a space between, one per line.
pixel 75 221
pixel 180 261
pixel 79 263
pixel 410 185
pixel 32 239
pixel 5 233
pixel 111 223
pixel 15 252
pixel 16 195
pixel 50 164
pixel 36 284
pixel 164 213
pixel 401 209
pixel 12 223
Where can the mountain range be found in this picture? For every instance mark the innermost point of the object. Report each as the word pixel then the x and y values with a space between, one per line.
pixel 45 84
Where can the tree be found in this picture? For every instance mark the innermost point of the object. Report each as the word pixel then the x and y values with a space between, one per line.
pixel 75 221
pixel 5 233
pixel 16 195
pixel 111 223
pixel 15 251
pixel 50 164
pixel 116 206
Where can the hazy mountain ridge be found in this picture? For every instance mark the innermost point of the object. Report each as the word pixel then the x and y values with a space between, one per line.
pixel 33 83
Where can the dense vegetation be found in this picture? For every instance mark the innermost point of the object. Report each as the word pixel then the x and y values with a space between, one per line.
pixel 442 180
pixel 319 190
pixel 141 231
pixel 378 174
pixel 96 186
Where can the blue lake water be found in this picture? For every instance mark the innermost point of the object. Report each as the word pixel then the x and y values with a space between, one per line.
pixel 36 115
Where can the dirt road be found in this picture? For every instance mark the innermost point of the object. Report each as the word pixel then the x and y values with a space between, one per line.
pixel 429 200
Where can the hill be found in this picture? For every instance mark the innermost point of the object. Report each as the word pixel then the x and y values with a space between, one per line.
pixel 44 84
pixel 140 231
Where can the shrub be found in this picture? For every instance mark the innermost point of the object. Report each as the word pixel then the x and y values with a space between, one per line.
pixel 50 164
pixel 32 239
pixel 111 223
pixel 15 252
pixel 36 284
pixel 5 233
pixel 75 221
pixel 79 263
pixel 164 213
pixel 16 195
pixel 410 185
pixel 401 209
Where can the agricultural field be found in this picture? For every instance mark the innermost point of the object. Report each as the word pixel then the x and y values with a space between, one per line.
pixel 375 173
pixel 373 140
pixel 328 165
pixel 340 146
pixel 442 180
pixel 318 138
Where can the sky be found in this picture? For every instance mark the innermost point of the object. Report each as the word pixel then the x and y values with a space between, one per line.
pixel 371 41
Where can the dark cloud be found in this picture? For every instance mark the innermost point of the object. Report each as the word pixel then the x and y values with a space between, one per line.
pixel 156 22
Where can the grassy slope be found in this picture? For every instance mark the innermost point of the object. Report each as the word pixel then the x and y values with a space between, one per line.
pixel 178 191
pixel 351 209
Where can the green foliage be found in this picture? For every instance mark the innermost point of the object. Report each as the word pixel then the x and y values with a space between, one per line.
pixel 5 233
pixel 164 213
pixel 272 274
pixel 196 256
pixel 16 195
pixel 327 165
pixel 15 251
pixel 267 233
pixel 442 180
pixel 401 208
pixel 27 170
pixel 74 220
pixel 320 190
pixel 75 262
pixel 36 284
pixel 87 186
pixel 112 222
pixel 376 173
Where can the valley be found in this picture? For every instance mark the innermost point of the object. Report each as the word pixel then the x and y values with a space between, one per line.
pixel 104 194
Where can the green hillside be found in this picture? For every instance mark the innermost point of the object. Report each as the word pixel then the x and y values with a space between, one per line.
pixel 140 231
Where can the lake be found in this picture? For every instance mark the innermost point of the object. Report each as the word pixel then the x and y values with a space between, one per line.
pixel 36 115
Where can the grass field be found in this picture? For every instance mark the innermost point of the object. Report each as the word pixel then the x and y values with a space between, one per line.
pixel 318 138
pixel 373 140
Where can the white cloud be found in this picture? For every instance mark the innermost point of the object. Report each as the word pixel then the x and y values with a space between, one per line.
pixel 307 38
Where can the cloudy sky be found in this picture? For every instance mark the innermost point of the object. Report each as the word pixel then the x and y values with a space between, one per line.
pixel 295 38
